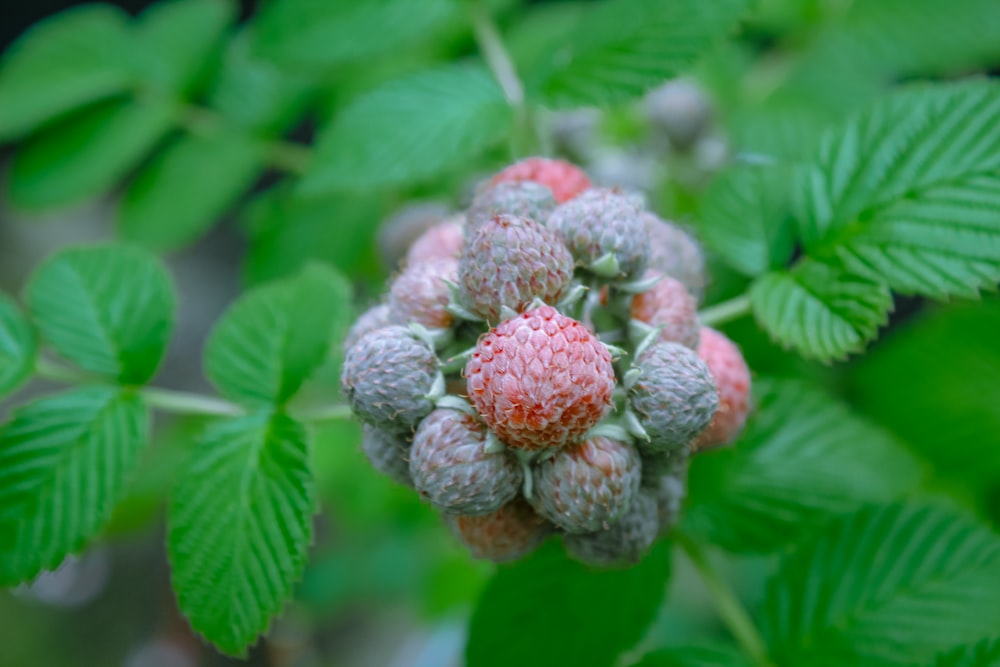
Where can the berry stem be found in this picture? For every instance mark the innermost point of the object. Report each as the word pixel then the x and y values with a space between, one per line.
pixel 723 312
pixel 732 613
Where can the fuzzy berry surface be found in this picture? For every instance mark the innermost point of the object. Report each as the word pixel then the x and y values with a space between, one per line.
pixel 674 397
pixel 452 470
pixel 670 305
pixel 674 252
pixel 386 377
pixel 442 241
pixel 525 199
pixel 508 262
pixel 669 492
pixel 421 294
pixel 564 179
pixel 587 486
pixel 376 317
pixel 540 380
pixel 624 543
pixel 603 221
pixel 510 533
pixel 387 452
pixel 732 379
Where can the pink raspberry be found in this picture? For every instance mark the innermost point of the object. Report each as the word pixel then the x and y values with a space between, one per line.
pixel 442 241
pixel 623 543
pixel 540 380
pixel 673 252
pixel 421 294
pixel 451 468
pixel 732 379
pixel 376 317
pixel 669 304
pixel 587 486
pixel 508 262
pixel 565 180
pixel 512 532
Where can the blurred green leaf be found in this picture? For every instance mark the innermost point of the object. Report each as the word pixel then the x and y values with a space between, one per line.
pixel 286 231
pixel 908 193
pixel 622 48
pixel 255 94
pixel 64 463
pixel 410 129
pixel 984 654
pixel 893 584
pixel 803 458
pixel 301 34
pixel 936 382
pixel 181 40
pixel 745 218
pixel 17 346
pixel 184 191
pixel 822 312
pixel 694 656
pixel 68 60
pixel 538 27
pixel 546 596
pixel 109 309
pixel 86 154
pixel 275 336
pixel 239 526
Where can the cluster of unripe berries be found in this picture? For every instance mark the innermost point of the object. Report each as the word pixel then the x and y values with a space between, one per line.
pixel 538 367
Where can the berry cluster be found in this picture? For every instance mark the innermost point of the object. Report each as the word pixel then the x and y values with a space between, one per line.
pixel 538 367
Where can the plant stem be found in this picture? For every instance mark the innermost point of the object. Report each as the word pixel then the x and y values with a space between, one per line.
pixel 723 312
pixel 326 414
pixel 182 402
pixel 730 610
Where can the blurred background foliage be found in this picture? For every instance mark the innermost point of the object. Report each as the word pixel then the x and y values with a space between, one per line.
pixel 211 135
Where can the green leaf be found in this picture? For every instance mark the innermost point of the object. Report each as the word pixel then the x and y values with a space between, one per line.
pixel 908 192
pixel 64 464
pixel 109 309
pixel 188 187
pixel 803 458
pixel 239 526
pixel 622 48
pixel 17 346
pixel 86 154
pixel 936 381
pixel 273 338
pixel 410 129
pixel 181 39
pixel 69 60
pixel 694 656
pixel 821 311
pixel 893 584
pixel 745 218
pixel 984 654
pixel 309 34
pixel 546 595
pixel 255 94
pixel 287 231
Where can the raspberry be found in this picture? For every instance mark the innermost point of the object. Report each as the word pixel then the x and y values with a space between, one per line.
pixel 374 318
pixel 674 396
pixel 587 486
pixel 452 470
pixel 562 178
pixel 681 110
pixel 387 452
pixel 732 380
pixel 658 464
pixel 674 252
pixel 669 492
pixel 508 262
pixel 540 379
pixel 603 222
pixel 403 227
pixel 624 542
pixel 387 376
pixel 420 293
pixel 525 199
pixel 513 531
pixel 670 305
pixel 442 241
